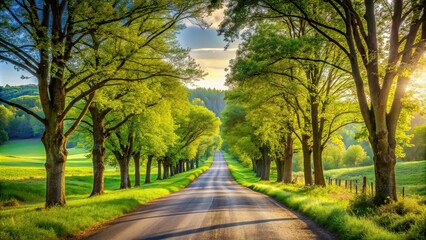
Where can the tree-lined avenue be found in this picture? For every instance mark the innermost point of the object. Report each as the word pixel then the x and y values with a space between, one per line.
pixel 214 206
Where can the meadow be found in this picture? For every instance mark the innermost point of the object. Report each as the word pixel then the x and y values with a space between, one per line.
pixel 348 215
pixel 22 189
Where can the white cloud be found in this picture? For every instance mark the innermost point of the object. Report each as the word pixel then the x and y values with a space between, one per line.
pixel 214 19
pixel 213 61
pixel 213 49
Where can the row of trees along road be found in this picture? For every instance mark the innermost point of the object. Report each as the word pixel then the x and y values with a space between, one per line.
pixel 80 50
pixel 305 60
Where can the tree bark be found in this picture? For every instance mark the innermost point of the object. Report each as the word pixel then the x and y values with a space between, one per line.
pixel 188 165
pixel 148 169
pixel 280 169
pixel 316 141
pixel 159 170
pixel 123 159
pixel 136 159
pixel 98 151
pixel 288 159
pixel 56 156
pixel 266 163
pixel 260 167
pixel 166 169
pixel 307 150
pixel 124 174
pixel 384 166
pixel 173 170
pixel 197 164
pixel 254 165
pixel 181 166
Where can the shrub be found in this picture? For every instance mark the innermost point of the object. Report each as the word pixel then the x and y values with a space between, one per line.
pixel 362 205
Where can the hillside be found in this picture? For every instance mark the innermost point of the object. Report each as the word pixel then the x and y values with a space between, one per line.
pixel 213 99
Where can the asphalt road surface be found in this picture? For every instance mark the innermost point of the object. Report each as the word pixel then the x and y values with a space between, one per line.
pixel 214 206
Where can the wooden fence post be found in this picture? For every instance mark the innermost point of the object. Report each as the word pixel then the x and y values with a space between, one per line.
pixel 364 185
pixel 403 192
pixel 356 186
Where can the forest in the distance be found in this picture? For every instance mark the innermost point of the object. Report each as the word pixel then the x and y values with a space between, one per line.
pixel 16 124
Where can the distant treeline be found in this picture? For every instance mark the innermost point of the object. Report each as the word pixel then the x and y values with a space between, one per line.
pixel 213 99
pixel 10 92
pixel 15 124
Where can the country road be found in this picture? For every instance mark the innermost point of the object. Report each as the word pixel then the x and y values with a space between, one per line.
pixel 214 206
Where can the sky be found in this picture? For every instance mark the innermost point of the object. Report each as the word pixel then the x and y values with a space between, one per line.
pixel 207 49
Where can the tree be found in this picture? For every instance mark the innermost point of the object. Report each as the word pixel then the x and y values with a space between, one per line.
pixel 5 116
pixel 253 128
pixel 194 125
pixel 355 156
pixel 213 99
pixel 156 135
pixel 383 43
pixel 418 149
pixel 318 95
pixel 238 135
pixel 51 39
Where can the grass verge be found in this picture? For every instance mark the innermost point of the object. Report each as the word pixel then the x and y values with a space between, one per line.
pixel 330 207
pixel 32 221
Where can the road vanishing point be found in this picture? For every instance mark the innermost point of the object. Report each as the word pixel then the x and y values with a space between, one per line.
pixel 214 206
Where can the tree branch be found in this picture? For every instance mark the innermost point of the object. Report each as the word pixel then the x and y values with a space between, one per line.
pixel 26 110
pixel 80 117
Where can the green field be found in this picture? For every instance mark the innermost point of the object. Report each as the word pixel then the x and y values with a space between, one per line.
pixel 339 210
pixel 22 189
pixel 410 175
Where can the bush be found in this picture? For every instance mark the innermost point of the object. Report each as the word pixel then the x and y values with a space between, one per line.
pixel 3 136
pixel 362 205
pixel 10 203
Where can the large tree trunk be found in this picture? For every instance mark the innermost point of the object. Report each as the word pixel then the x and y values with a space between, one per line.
pixel 306 149
pixel 148 169
pixel 136 158
pixel 173 170
pixel 288 159
pixel 165 169
pixel 124 173
pixel 188 167
pixel 56 156
pixel 260 167
pixel 159 169
pixel 266 164
pixel 384 166
pixel 197 164
pixel 316 142
pixel 181 166
pixel 98 151
pixel 280 169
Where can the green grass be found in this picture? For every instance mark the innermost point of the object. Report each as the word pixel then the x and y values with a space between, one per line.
pixel 330 207
pixel 410 175
pixel 22 183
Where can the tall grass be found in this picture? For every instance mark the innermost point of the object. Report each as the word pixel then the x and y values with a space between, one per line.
pixel 329 206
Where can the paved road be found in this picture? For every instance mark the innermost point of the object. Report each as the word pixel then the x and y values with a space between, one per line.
pixel 213 207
